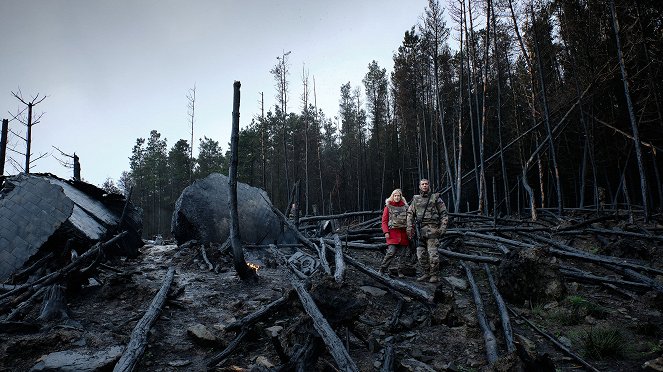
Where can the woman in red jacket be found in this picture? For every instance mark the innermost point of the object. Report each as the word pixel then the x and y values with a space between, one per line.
pixel 394 219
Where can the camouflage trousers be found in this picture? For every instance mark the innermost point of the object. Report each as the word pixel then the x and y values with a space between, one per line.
pixel 399 252
pixel 428 256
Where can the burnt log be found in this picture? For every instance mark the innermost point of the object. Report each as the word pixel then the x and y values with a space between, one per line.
pixel 339 216
pixel 568 251
pixel 469 257
pixel 258 314
pixel 580 275
pixel 501 307
pixel 397 285
pixel 55 306
pixel 330 338
pixel 389 358
pixel 322 253
pixel 136 346
pixel 99 248
pixel 488 336
pixel 25 305
pixel 220 357
pixel 358 245
pixel 335 346
pixel 339 271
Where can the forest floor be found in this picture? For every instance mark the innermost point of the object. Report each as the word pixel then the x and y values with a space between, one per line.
pixel 612 327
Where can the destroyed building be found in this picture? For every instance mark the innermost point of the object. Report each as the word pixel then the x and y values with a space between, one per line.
pixel 41 214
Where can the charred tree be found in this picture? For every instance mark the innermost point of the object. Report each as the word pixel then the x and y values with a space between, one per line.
pixel 631 113
pixel 243 270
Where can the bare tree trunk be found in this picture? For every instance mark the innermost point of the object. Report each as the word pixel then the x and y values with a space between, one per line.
pixel 306 124
pixel 243 270
pixel 471 79
pixel 546 118
pixel 28 139
pixel 459 157
pixel 192 112
pixel 482 130
pixel 542 187
pixel 3 145
pixel 505 178
pixel 631 114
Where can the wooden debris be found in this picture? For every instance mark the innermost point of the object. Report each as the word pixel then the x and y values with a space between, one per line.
pixel 504 313
pixel 339 273
pixel 136 346
pixel 488 336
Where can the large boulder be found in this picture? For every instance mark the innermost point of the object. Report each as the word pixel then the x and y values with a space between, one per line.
pixel 202 213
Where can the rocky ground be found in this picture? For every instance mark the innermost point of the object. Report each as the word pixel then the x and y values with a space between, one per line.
pixel 611 327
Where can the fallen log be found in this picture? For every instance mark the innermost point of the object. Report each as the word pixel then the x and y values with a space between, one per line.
pixel 652 283
pixel 55 305
pixel 469 257
pixel 258 314
pixel 358 245
pixel 488 336
pixel 616 232
pixel 220 357
pixel 568 251
pixel 334 344
pixel 339 271
pixel 391 324
pixel 331 339
pixel 589 222
pixel 18 276
pixel 53 277
pixel 581 275
pixel 397 285
pixel 555 342
pixel 204 255
pixel 499 239
pixel 338 216
pixel 322 253
pixel 25 305
pixel 389 357
pixel 138 341
pixel 504 313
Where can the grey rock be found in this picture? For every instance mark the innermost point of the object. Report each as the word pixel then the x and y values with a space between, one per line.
pixel 79 360
pixel 202 213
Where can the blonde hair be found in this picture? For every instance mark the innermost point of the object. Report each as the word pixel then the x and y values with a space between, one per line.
pixel 391 197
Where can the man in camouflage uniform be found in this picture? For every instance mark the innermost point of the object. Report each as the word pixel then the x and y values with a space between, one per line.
pixel 429 211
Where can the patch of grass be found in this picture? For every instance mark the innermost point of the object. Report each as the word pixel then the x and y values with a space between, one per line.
pixel 584 307
pixel 604 343
pixel 565 317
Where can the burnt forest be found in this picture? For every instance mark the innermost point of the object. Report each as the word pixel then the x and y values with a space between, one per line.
pixel 539 123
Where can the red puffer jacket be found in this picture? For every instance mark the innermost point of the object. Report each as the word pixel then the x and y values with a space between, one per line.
pixel 397 236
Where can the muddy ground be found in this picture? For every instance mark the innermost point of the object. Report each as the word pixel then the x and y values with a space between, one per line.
pixel 364 313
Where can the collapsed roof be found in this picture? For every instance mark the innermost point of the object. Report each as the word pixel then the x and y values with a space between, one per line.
pixel 41 214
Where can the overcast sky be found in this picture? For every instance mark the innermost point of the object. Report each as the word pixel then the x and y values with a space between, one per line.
pixel 114 70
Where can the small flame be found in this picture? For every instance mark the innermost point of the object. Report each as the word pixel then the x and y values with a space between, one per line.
pixel 254 267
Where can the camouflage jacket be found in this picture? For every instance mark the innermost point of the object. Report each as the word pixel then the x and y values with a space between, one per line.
pixel 434 215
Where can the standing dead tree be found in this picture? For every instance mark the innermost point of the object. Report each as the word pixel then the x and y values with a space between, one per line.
pixel 29 122
pixel 191 113
pixel 75 163
pixel 243 270
pixel 631 113
pixel 3 145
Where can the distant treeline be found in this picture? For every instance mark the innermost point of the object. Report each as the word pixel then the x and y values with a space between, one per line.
pixel 551 103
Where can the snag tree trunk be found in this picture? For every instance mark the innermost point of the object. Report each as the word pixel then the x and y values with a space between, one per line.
pixel 243 270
